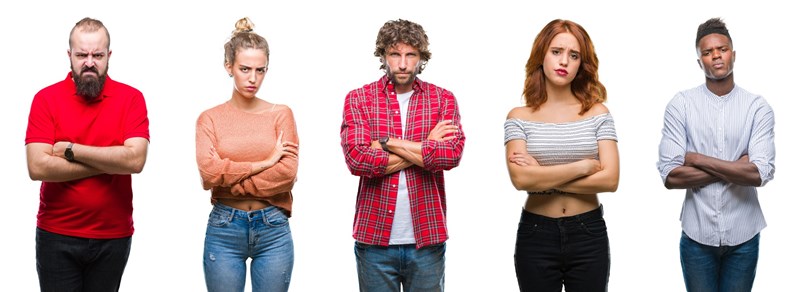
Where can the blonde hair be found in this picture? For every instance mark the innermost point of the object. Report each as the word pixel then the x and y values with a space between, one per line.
pixel 243 37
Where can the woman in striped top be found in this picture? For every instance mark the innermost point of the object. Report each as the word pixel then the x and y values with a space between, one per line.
pixel 561 147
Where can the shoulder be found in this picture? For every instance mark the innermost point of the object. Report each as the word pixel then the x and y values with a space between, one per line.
pixel 282 109
pixel 521 113
pixel 435 89
pixel 597 109
pixel 54 90
pixel 122 88
pixel 209 113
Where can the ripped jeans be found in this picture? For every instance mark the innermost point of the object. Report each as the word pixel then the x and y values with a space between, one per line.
pixel 235 235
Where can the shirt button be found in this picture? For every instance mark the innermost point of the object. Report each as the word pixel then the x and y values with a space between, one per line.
pixel 393 186
pixel 390 211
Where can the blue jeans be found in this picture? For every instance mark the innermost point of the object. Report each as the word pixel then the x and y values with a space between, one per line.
pixel 67 263
pixel 571 251
pixel 718 268
pixel 385 268
pixel 235 235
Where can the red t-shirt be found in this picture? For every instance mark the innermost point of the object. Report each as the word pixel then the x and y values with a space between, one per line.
pixel 98 206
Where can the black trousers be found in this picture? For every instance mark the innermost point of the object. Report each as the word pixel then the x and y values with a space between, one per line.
pixel 67 263
pixel 571 251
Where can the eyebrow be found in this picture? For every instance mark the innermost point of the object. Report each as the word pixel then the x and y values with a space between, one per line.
pixel 562 49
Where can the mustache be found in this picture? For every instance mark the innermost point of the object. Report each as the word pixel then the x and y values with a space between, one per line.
pixel 89 69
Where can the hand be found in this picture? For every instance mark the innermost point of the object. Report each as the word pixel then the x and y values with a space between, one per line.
pixel 237 190
pixel 59 148
pixel 744 158
pixel 214 153
pixel 589 166
pixel 376 145
pixel 282 148
pixel 692 159
pixel 442 130
pixel 522 159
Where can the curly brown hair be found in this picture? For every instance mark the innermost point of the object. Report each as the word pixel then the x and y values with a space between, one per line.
pixel 585 86
pixel 243 37
pixel 394 32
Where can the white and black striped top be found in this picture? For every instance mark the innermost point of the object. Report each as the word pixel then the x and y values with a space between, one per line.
pixel 725 127
pixel 561 143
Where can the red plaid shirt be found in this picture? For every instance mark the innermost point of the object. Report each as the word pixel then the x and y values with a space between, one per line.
pixel 372 112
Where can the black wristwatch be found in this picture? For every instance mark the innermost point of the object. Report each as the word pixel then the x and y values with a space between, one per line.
pixel 383 144
pixel 68 153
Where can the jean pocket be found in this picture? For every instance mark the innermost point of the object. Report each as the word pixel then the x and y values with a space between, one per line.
pixel 595 227
pixel 527 230
pixel 276 218
pixel 218 218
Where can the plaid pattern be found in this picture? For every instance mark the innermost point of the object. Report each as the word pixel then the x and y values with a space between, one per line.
pixel 371 112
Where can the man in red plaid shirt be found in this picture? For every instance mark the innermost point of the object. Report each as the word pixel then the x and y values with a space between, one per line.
pixel 399 134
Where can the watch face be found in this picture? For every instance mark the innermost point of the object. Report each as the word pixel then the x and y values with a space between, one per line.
pixel 69 154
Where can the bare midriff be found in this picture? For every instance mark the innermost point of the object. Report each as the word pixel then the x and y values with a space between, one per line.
pixel 245 205
pixel 561 205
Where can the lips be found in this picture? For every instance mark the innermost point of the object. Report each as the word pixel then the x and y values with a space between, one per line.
pixel 561 72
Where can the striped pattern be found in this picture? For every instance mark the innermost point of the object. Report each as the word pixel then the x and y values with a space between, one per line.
pixel 371 112
pixel 727 127
pixel 561 143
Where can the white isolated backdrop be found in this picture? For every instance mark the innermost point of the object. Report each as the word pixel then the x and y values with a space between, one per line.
pixel 173 53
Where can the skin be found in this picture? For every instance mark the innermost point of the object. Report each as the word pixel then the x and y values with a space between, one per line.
pixel 248 72
pixel 716 59
pixel 47 162
pixel 585 178
pixel 402 62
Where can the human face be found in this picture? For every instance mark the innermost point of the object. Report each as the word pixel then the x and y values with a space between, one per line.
pixel 248 70
pixel 716 56
pixel 89 55
pixel 402 62
pixel 562 60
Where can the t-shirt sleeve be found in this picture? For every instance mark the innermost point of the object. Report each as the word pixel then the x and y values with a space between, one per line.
pixel 605 129
pixel 41 128
pixel 514 130
pixel 137 120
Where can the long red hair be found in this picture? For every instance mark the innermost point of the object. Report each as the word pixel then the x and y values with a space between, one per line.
pixel 586 87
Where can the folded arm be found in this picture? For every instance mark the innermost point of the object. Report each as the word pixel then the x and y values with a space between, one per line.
pixel 526 174
pixel 604 180
pixel 43 165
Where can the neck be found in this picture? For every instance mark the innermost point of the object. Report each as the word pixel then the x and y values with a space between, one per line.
pixel 404 88
pixel 559 93
pixel 722 86
pixel 244 103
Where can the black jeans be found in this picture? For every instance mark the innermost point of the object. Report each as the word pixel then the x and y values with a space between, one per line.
pixel 571 251
pixel 67 263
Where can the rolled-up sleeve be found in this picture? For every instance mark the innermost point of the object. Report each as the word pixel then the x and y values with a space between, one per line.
pixel 672 149
pixel 445 155
pixel 361 158
pixel 762 151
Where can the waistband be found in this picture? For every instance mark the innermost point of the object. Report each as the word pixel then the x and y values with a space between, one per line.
pixel 527 216
pixel 234 212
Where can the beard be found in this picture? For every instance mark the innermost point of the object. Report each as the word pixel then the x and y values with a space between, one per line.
pixel 392 75
pixel 89 87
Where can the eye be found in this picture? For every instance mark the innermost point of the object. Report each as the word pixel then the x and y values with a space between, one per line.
pixel 261 70
pixel 574 56
pixel 244 69
pixel 554 51
pixel 706 53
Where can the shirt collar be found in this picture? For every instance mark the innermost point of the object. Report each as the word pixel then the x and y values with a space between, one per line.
pixel 388 86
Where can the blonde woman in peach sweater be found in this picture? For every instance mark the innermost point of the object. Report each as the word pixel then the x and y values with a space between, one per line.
pixel 246 149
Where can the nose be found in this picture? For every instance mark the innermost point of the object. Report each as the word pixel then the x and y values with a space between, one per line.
pixel 563 60
pixel 252 78
pixel 90 61
pixel 403 63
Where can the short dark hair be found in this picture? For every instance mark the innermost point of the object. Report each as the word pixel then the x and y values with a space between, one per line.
pixel 713 25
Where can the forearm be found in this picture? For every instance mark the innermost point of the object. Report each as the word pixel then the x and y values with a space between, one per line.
pixel 408 150
pixel 599 182
pixel 396 163
pixel 685 177
pixel 123 159
pixel 740 172
pixel 275 180
pixel 44 166
pixel 535 178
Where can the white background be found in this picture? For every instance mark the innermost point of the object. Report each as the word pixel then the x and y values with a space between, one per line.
pixel 321 50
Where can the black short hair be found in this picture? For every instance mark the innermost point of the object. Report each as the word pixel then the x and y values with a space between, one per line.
pixel 713 25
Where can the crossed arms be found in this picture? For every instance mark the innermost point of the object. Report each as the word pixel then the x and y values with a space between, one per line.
pixel 47 162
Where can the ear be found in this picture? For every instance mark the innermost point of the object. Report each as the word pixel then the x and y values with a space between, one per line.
pixel 733 56
pixel 228 67
pixel 699 62
pixel 109 52
pixel 69 53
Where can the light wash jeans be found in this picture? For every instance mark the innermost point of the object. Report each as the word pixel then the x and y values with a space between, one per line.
pixel 235 235
pixel 385 268
pixel 719 268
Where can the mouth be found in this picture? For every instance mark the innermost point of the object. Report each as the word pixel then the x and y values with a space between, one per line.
pixel 561 72
pixel 718 66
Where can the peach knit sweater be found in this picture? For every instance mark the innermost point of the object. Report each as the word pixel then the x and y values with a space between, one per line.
pixel 240 138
